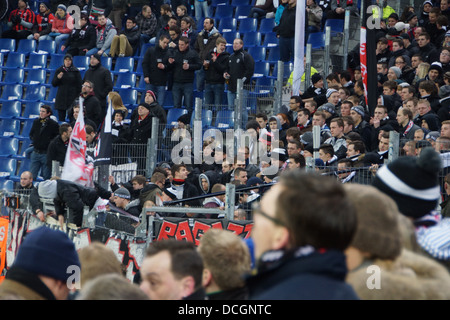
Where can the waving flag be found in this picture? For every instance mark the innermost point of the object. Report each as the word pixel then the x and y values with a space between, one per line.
pixel 103 148
pixel 77 167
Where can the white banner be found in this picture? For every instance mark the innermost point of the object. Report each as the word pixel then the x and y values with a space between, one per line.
pixel 299 46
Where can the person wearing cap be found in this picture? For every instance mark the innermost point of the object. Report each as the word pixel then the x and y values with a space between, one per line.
pixel 42 24
pixel 122 200
pixel 81 39
pixel 20 22
pixel 62 26
pixel 157 110
pixel 100 76
pixel 409 44
pixel 316 88
pixel 154 67
pixel 40 268
pixel 361 126
pixel 67 79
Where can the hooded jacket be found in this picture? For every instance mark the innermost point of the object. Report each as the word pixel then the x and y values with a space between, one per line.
pixel 63 24
pixel 133 35
pixel 83 38
pixel 206 42
pixel 105 34
pixel 410 277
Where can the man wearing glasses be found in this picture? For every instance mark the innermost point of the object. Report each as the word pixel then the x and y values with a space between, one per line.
pixel 301 229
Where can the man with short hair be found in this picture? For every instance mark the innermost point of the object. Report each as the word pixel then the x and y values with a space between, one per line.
pixel 319 119
pixel 172 270
pixel 291 225
pixel 105 31
pixel 58 146
pixel 148 24
pixel 427 49
pixel 326 154
pixel 295 104
pixel 91 104
pixel 337 139
pixel 214 64
pixel 304 122
pixel 20 22
pixel 126 43
pixel 43 130
pixel 26 187
pixel 445 128
pixel 406 125
pixel 240 175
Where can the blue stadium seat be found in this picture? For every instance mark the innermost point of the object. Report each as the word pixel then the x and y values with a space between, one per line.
pixel 13 76
pixel 11 92
pixel 230 36
pixel 2 58
pixel 139 70
pixel 288 67
pixel 46 46
pixel 128 95
pixel 262 69
pixel 237 3
pixel 7 45
pixel 336 25
pixel 270 40
pixel 266 25
pixel 252 39
pixel 37 61
pixel 228 25
pixel 36 76
pixel 11 109
pixel 148 45
pixel 106 62
pixel 9 128
pixel 8 147
pixel 317 40
pixel 258 53
pixel 224 120
pixel 142 86
pixel 216 3
pixel 22 166
pixel 50 98
pixel 246 25
pixel 172 116
pixel 124 64
pixel 81 62
pixel 31 110
pixel 125 80
pixel 26 46
pixel 223 12
pixel 14 60
pixel 274 55
pixel 242 11
pixel 26 127
pixel 207 116
pixel 168 100
pixel 6 184
pixel 34 92
pixel 262 84
pixel 56 61
pixel 8 166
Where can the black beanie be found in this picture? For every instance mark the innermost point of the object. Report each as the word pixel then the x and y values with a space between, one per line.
pixel 412 182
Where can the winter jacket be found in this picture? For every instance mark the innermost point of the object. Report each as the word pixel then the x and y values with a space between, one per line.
pixel 69 86
pixel 101 77
pixel 105 34
pixel 83 38
pixel 92 109
pixel 241 65
pixel 140 131
pixel 43 23
pixel 42 132
pixel 23 285
pixel 21 19
pixel 157 77
pixel 315 16
pixel 64 24
pixel 410 277
pixel 311 275
pixel 286 29
pixel 133 35
pixel 206 42
pixel 429 53
pixel 148 26
pixel 214 74
pixel 181 75
pixel 56 152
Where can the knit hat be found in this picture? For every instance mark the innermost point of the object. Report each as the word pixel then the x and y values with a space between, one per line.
pixel 358 109
pixel 436 66
pixel 405 36
pixel 63 7
pixel 152 94
pixel 397 71
pixel 328 107
pixel 47 189
pixel 254 181
pixel 145 105
pixel 400 26
pixel 433 135
pixel 412 182
pixel 43 4
pixel 410 16
pixel 97 56
pixel 68 56
pixel 316 77
pixel 378 232
pixel 429 2
pixel 184 119
pixel 122 193
pixel 278 153
pixel 330 91
pixel 47 252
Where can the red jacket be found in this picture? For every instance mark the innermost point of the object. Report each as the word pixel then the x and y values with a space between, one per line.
pixel 27 15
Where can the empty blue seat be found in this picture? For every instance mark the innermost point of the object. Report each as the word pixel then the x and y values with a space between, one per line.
pixel 252 39
pixel 148 45
pixel 13 76
pixel 11 92
pixel 267 25
pixel 50 98
pixel 34 92
pixel 25 131
pixel 247 25
pixel 7 45
pixel 7 185
pixel 128 95
pixel 172 116
pixel 124 64
pixel 207 116
pixel 237 3
pixel 216 3
pixel 11 109
pixel 168 100
pixel 8 147
pixel 106 62
pixel 270 40
pixel 125 80
pixel 56 61
pixel 142 86
pixel 336 25
pixel 26 46
pixel 224 120
pixel 36 76
pixel 223 12
pixel 242 11
pixel 23 165
pixel 9 127
pixel 230 36
pixel 317 40
pixel 262 69
pixel 14 60
pixel 139 71
pixel 31 110
pixel 81 62
pixel 228 25
pixel 8 166
pixel 46 46
pixel 258 53
pixel 274 55
pixel 37 61
pixel 288 67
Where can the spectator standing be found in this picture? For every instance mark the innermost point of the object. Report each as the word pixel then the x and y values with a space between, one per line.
pixel 68 80
pixel 126 43
pixel 26 187
pixel 81 40
pixel 58 146
pixel 214 67
pixel 286 32
pixel 43 130
pixel 42 23
pixel 184 63
pixel 91 104
pixel 188 31
pixel 201 9
pixel 20 21
pixel 154 66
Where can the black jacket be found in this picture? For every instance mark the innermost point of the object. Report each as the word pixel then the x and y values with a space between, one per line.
pixel 102 80
pixel 84 38
pixel 92 109
pixel 34 199
pixel 69 87
pixel 56 151
pixel 241 65
pixel 214 74
pixel 181 75
pixel 429 53
pixel 286 28
pixel 140 131
pixel 157 77
pixel 133 35
pixel 41 133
